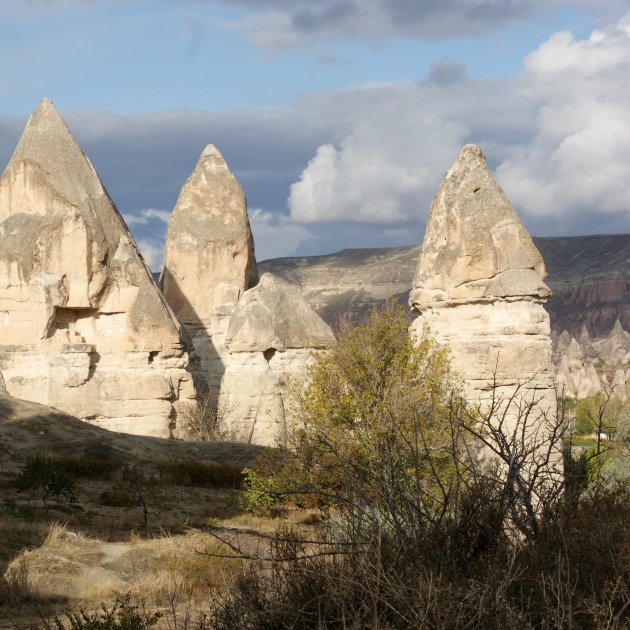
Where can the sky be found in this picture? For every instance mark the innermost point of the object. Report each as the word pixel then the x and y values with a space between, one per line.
pixel 338 117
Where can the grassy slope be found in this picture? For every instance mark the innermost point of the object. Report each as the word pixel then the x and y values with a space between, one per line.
pixel 102 551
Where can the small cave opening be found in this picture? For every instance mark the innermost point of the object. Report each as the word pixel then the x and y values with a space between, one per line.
pixel 269 353
pixel 71 324
pixel 476 190
pixel 152 355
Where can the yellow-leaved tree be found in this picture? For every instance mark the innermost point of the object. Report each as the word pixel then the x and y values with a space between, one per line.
pixel 375 436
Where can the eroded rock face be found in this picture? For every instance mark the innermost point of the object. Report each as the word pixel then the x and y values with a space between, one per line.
pixel 479 287
pixel 83 327
pixel 271 338
pixel 246 339
pixel 209 261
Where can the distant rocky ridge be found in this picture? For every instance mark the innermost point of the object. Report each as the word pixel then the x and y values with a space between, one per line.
pixel 589 277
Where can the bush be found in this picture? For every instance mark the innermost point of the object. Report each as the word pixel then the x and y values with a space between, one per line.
pixel 573 575
pixel 190 472
pixel 207 419
pixel 374 429
pixel 136 487
pixel 88 467
pixel 47 476
pixel 422 533
pixel 123 615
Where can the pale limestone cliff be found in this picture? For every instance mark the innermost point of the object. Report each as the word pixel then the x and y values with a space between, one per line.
pixel 245 339
pixel 84 327
pixel 479 287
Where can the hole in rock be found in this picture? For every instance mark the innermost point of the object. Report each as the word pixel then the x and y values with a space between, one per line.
pixel 476 190
pixel 72 324
pixel 152 355
pixel 269 354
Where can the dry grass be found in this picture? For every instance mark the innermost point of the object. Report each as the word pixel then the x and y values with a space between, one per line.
pixel 82 555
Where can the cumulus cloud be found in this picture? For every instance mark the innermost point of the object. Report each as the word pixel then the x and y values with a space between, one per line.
pixel 559 136
pixel 379 171
pixel 576 163
pixel 275 235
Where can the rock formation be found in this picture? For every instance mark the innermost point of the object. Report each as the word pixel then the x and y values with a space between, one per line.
pixel 585 365
pixel 209 261
pixel 245 338
pixel 479 287
pixel 270 339
pixel 84 327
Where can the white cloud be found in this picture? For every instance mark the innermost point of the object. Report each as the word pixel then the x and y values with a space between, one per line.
pixel 577 161
pixel 560 135
pixel 604 49
pixel 145 215
pixel 152 251
pixel 275 235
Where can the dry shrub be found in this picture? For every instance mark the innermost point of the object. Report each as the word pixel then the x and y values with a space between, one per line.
pixel 16 587
pixel 461 574
pixel 422 533
pixel 88 467
pixel 207 419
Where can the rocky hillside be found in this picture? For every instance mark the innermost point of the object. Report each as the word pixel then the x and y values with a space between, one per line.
pixel 589 277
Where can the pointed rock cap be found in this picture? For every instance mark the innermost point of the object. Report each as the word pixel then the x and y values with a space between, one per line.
pixel 475 247
pixel 584 334
pixel 47 142
pixel 274 316
pixel 617 330
pixel 208 242
pixel 51 192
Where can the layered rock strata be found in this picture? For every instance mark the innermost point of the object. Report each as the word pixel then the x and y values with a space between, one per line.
pixel 246 339
pixel 479 288
pixel 83 327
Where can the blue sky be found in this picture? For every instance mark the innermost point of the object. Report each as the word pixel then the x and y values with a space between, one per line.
pixel 338 116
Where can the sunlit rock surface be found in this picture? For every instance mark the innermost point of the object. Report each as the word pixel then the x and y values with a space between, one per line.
pixel 209 261
pixel 83 326
pixel 271 339
pixel 246 340
pixel 479 287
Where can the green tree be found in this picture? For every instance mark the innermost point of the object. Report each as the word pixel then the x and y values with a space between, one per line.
pixel 47 476
pixel 374 437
